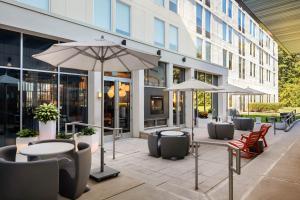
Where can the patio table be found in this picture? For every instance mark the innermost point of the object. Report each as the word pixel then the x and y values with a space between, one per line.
pixel 47 149
pixel 172 133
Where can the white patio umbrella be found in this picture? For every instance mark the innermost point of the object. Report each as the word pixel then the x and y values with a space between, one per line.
pixel 98 55
pixel 193 85
pixel 231 89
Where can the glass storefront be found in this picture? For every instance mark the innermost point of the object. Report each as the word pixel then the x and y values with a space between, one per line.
pixel 26 86
pixel 178 97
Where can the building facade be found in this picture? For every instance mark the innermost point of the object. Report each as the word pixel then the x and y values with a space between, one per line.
pixel 215 41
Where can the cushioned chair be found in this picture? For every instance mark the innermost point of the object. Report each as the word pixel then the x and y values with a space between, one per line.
pixel 73 178
pixel 244 124
pixel 8 153
pixel 153 145
pixel 174 146
pixel 220 131
pixel 29 180
pixel 211 128
pixel 67 154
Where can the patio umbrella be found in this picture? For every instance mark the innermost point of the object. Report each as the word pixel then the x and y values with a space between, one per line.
pixel 193 85
pixel 231 89
pixel 98 55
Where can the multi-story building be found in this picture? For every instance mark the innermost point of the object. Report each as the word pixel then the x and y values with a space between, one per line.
pixel 215 41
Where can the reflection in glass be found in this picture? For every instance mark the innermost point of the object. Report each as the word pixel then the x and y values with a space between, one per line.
pixel 73 98
pixel 124 107
pixel 34 45
pixel 109 105
pixel 9 106
pixel 178 99
pixel 156 76
pixel 38 88
pixel 9 48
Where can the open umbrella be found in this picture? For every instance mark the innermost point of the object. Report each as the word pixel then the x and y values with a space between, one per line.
pixel 193 85
pixel 98 55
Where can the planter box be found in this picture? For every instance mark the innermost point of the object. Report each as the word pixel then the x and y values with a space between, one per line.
pixel 22 142
pixel 92 140
pixel 47 131
pixel 202 122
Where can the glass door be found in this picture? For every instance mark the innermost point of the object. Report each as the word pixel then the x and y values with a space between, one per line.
pixel 117 105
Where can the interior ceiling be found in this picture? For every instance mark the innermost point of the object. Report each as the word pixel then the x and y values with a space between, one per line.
pixel 282 18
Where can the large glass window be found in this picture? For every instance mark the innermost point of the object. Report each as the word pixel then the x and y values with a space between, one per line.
pixel 230 34
pixel 224 27
pixel 9 49
pixel 199 44
pixel 102 13
pixel 230 57
pixel 224 6
pixel 9 105
pixel 207 23
pixel 178 97
pixel 34 45
pixel 123 18
pixel 173 5
pixel 73 99
pixel 208 51
pixel 159 29
pixel 173 35
pixel 230 8
pixel 42 4
pixel 224 58
pixel 38 88
pixel 199 18
pixel 241 21
pixel 160 2
pixel 241 68
pixel 156 76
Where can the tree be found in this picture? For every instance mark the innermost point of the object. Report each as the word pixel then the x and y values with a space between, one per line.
pixel 289 79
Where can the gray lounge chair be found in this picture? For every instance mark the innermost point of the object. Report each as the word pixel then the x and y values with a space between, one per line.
pixel 74 177
pixel 29 180
pixel 8 153
pixel 220 131
pixel 174 147
pixel 153 145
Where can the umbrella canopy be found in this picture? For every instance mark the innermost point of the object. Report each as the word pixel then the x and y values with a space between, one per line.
pixel 232 89
pixel 92 55
pixel 193 85
pixel 98 55
pixel 251 91
pixel 8 79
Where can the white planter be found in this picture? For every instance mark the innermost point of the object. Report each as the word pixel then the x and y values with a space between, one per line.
pixel 22 142
pixel 47 131
pixel 92 140
pixel 202 122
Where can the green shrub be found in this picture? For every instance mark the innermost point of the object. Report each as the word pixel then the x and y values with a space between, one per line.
pixel 88 131
pixel 63 136
pixel 46 112
pixel 203 115
pixel 26 133
pixel 264 107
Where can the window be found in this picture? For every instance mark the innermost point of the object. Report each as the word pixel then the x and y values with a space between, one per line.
pixel 156 76
pixel 230 57
pixel 207 23
pixel 199 18
pixel 208 51
pixel 173 5
pixel 224 6
pixel 241 45
pixel 160 2
pixel 224 27
pixel 173 38
pixel 241 68
pixel 123 18
pixel 42 4
pixel 230 34
pixel 224 58
pixel 252 28
pixel 261 75
pixel 241 21
pixel 252 69
pixel 261 38
pixel 230 8
pixel 102 14
pixel 199 48
pixel 9 49
pixel 159 29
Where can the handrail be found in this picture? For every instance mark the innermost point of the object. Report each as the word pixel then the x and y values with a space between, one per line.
pixel 231 150
pixel 115 136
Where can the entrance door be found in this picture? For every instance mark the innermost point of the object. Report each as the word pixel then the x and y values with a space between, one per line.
pixel 117 105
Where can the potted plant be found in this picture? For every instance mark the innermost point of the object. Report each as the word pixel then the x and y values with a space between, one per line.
pixel 25 136
pixel 202 119
pixel 47 114
pixel 88 135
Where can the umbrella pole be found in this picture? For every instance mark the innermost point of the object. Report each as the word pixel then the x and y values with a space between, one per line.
pixel 192 115
pixel 102 120
pixel 248 104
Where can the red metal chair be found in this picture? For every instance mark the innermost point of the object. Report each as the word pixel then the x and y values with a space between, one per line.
pixel 264 128
pixel 245 143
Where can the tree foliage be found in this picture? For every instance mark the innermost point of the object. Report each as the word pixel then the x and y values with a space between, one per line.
pixel 289 79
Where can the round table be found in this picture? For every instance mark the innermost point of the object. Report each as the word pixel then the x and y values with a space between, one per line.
pixel 47 149
pixel 172 133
